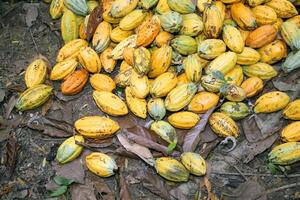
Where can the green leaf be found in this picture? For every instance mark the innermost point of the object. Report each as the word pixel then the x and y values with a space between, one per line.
pixel 59 180
pixel 218 75
pixel 223 89
pixel 59 191
pixel 229 79
pixel 171 146
pixel 273 168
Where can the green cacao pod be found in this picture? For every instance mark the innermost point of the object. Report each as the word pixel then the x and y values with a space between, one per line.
pixel 291 34
pixel 184 44
pixel 171 21
pixel 292 62
pixel 182 6
pixel 79 7
pixel 285 154
pixel 235 110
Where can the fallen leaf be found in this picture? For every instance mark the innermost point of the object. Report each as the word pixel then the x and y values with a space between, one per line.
pixel 143 132
pixel 46 107
pixel 99 143
pixel 211 194
pixel 192 138
pixel 185 191
pixel 11 154
pixel 10 106
pixel 143 152
pixel 59 191
pixel 123 152
pixel 94 20
pixel 83 192
pixel 102 191
pixel 124 192
pixel 2 95
pixel 31 13
pixel 206 148
pixel 128 121
pixel 67 112
pixel 59 180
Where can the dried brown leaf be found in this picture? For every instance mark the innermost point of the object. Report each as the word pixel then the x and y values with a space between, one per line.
pixel 124 192
pixel 83 192
pixel 211 194
pixel 11 154
pixel 10 106
pixel 2 94
pixel 46 107
pixel 94 20
pixel 102 191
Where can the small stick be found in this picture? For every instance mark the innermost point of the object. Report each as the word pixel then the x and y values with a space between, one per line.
pixel 252 174
pixel 283 187
pixel 35 46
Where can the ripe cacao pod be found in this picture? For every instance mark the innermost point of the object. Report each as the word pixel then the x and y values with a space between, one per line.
pixel 223 125
pixel 102 82
pixel 252 86
pixel 212 20
pixel 193 65
pixel 192 24
pixel 184 44
pixel 201 4
pixel 128 57
pixel 194 163
pixel 183 120
pixel 69 150
pixel 63 69
pixel 254 3
pixel 136 105
pixel 233 92
pixel 120 8
pixel 148 31
pixel 117 52
pixel 182 6
pixel 69 27
pixel 283 8
pixel 101 164
pixel 271 102
pixel 261 70
pixel 291 133
pixel 147 4
pixel 224 63
pixel 264 15
pixel 243 16
pixel 295 20
pixel 113 20
pixel 156 108
pixel 163 38
pixel 139 85
pixel 71 49
pixel 273 52
pixel 89 59
pixel 211 48
pixel 162 7
pixel 92 5
pixel 233 38
pixel 101 38
pixel 160 61
pixel 118 35
pixel 212 83
pixel 163 84
pixel 56 8
pixel 292 110
pixel 291 35
pixel 132 20
pixel 171 21
pixel 203 101
pixel 222 8
pixel 235 110
pixel 285 154
pixel 107 62
pixel 36 72
pixel 248 56
pixel 75 82
pixel 122 79
pixel 79 7
pixel 182 78
pixel 261 36
pixel 141 60
pixel 235 76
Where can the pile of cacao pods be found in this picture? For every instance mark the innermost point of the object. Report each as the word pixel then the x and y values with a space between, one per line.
pixel 175 56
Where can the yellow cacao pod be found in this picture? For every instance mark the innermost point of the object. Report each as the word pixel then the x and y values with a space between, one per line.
pixel 101 164
pixel 211 48
pixel 107 62
pixel 117 52
pixel 180 96
pixel 212 83
pixel 63 69
pixel 113 20
pixel 243 16
pixel 101 38
pixel 273 52
pixel 261 70
pixel 254 3
pixel 156 108
pixel 141 60
pixel 203 101
pixel 291 133
pixel 278 24
pixel 128 55
pixel 36 72
pixel 124 66
pixel 261 36
pixel 201 4
pixel 233 38
pixel 56 8
pixel 182 6
pixel 182 79
pixel 160 61
pixel 285 154
pixel 122 79
pixel 102 82
pixel 295 20
pixel 132 20
pixel 252 86
pixel 166 132
pixel 233 93
pixel 200 38
pixel 92 5
pixel 69 26
pixel 183 120
pixel 71 49
pixel 292 110
pixel 235 76
pixel 110 103
pixel 139 85
pixel 194 163
pixel 33 97
pixel 264 15
pixel 223 125
pixel 118 35
pixel 162 7
pixel 192 24
pixel 235 110
pixel 283 8
pixel 146 4
pixel 193 65
pixel 163 38
pixel 212 20
pixel 184 44
pixel 120 8
pixel 83 30
pixel 271 102
pixel 163 84
pixel 224 63
pixel 248 56
pixel 171 169
pixel 291 34
pixel 148 31
pixel 89 59
pixel 74 83
pixel 222 8
pixel 136 105
pixel 230 1
pixel 69 150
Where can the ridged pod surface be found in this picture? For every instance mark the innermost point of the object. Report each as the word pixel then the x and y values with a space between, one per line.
pixel 162 6
pixel 291 133
pixel 102 82
pixel 261 70
pixel 194 163
pixel 233 38
pixel 101 38
pixel 271 102
pixel 224 63
pixel 248 56
pixel 56 8
pixel 285 154
pixel 211 48
pixel 193 65
pixel 183 120
pixel 69 27
pixel 117 52
pixel 120 8
pixel 182 6
pixel 254 3
pixel 212 83
pixel 139 85
pixel 163 84
pixel 243 16
pixel 222 8
pixel 252 86
pixel 261 36
pixel 136 105
pixel 235 110
pixel 75 82
pixel 291 34
pixel 163 38
pixel 184 44
pixel 69 150
pixel 182 79
pixel 79 7
pixel 192 24
pixel 171 169
pixel 92 5
pixel 273 52
pixel 264 15
pixel 148 31
pixel 235 76
pixel 132 20
pixel 36 72
pixel 283 8
pixel 122 79
pixel 33 97
pixel 63 69
pixel 292 62
pixel 107 62
pixel 212 20
pixel 292 110
pixel 71 49
pixel 118 35
pixel 113 20
pixel 233 93
pixel 101 164
pixel 141 60
pixel 146 4
pixel 160 61
pixel 203 101
pixel 171 21
pixel 156 108
pixel 201 4
pixel 223 125
pixel 128 56
pixel 180 96
pixel 89 59
pixel 295 20
pixel 166 132
pixel 110 103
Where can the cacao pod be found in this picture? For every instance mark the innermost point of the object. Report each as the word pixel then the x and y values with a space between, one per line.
pixel 243 16
pixel 139 85
pixel 285 154
pixel 223 63
pixel 194 163
pixel 192 25
pixel 160 61
pixel 271 102
pixel 273 52
pixel 148 31
pixel 107 62
pixel 235 110
pixel 233 39
pixel 162 7
pixel 212 83
pixel 141 60
pixel 156 108
pixel 163 84
pixel 69 150
pixel 36 72
pixel 171 21
pixel 211 48
pixel 163 38
pixel 183 120
pixel 117 52
pixel 182 6
pixel 291 34
pixel 292 62
pixel 223 125
pixel 254 3
pixel 235 76
pixel 264 15
pixel 201 4
pixel 212 20
pixel 75 82
pixel 69 26
pixel 102 82
pixel 295 20
pixel 248 56
pixel 89 59
pixel 203 101
pixel 291 133
pixel 118 35
pixel 193 65
pixel 56 8
pixel 283 8
pixel 292 110
pixel 147 4
pixel 113 20
pixel 101 164
pixel 71 49
pixel 101 38
pixel 261 36
pixel 261 70
pixel 63 69
pixel 184 44
pixel 79 7
pixel 122 79
pixel 233 92
pixel 128 56
pixel 136 105
pixel 252 86
pixel 182 79
pixel 132 20
pixel 120 8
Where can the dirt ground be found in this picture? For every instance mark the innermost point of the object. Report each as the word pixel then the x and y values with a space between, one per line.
pixel 27 149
